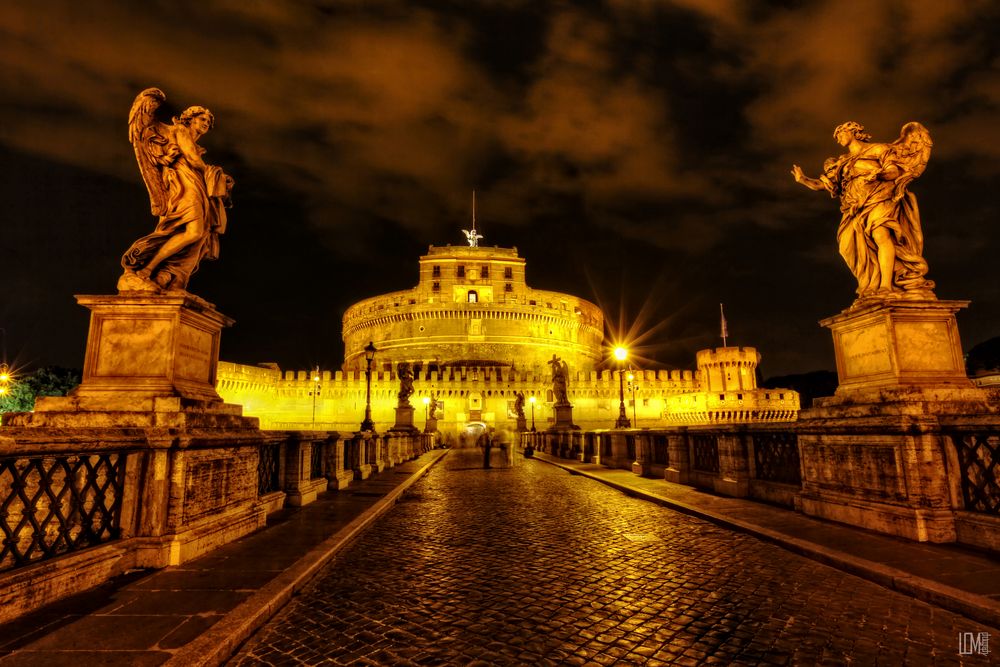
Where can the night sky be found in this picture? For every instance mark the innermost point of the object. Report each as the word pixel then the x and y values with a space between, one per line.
pixel 636 152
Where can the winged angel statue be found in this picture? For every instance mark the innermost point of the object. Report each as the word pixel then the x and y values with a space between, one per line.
pixel 879 234
pixel 188 196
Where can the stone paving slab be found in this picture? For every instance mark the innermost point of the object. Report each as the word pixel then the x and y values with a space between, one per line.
pixel 199 612
pixel 960 579
pixel 529 565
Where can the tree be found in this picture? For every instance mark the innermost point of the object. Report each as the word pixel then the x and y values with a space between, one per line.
pixel 48 381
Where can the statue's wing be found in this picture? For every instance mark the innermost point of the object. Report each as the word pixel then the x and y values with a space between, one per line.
pixel 910 154
pixel 146 135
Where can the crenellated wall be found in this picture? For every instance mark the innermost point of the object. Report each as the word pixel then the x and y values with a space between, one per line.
pixel 336 401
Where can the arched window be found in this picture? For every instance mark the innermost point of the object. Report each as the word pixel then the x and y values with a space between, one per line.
pixel 473 297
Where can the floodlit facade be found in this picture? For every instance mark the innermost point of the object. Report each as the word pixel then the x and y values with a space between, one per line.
pixel 475 334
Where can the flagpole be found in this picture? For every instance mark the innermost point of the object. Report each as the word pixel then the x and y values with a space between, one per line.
pixel 725 330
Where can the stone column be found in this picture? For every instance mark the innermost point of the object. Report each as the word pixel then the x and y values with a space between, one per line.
pixel 679 454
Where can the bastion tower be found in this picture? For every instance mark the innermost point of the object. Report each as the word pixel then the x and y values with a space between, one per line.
pixel 472 307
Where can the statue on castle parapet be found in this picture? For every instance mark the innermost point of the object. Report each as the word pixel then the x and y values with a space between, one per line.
pixel 560 376
pixel 879 235
pixel 188 196
pixel 519 404
pixel 405 373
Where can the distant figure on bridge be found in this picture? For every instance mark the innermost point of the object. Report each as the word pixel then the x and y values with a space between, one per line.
pixel 486 442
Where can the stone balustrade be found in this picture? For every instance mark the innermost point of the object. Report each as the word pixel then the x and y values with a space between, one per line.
pixel 783 464
pixel 76 511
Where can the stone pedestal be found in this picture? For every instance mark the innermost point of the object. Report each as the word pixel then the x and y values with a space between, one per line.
pixel 875 454
pixel 522 424
pixel 564 418
pixel 898 343
pixel 431 425
pixel 151 346
pixel 404 420
pixel 149 377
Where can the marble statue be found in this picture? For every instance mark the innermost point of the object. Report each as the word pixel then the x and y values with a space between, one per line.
pixel 879 235
pixel 405 374
pixel 187 195
pixel 560 375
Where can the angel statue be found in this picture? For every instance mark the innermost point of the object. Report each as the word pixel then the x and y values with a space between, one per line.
pixel 879 234
pixel 188 196
pixel 405 374
pixel 560 375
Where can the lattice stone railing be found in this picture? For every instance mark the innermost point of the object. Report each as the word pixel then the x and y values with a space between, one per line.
pixel 706 452
pixel 316 467
pixel 268 468
pixel 57 504
pixel 776 457
pixel 979 466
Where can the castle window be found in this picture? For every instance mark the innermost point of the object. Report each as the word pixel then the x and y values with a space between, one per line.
pixel 484 272
pixel 508 272
pixel 436 271
pixel 460 271
pixel 722 397
pixel 436 286
pixel 473 297
pixel 508 287
pixel 533 302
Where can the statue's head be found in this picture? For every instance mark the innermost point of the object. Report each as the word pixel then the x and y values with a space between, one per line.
pixel 194 112
pixel 851 130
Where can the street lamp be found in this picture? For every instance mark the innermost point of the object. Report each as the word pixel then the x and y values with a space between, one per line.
pixel 427 401
pixel 368 424
pixel 314 393
pixel 532 401
pixel 621 354
pixel 631 386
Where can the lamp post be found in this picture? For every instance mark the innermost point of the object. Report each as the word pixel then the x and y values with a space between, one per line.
pixel 631 386
pixel 621 354
pixel 532 401
pixel 427 401
pixel 314 393
pixel 368 424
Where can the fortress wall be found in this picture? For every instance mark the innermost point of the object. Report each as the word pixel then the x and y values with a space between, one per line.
pixel 284 399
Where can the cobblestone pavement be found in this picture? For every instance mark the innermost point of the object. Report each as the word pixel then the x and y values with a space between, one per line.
pixel 527 564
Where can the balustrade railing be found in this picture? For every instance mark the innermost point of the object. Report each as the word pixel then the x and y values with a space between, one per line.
pixel 316 459
pixel 53 505
pixel 659 452
pixel 268 468
pixel 705 448
pixel 979 467
pixel 776 457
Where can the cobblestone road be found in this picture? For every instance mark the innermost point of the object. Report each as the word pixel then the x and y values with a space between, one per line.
pixel 530 565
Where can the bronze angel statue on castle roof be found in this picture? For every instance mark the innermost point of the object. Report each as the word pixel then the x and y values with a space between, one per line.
pixel 187 195
pixel 879 235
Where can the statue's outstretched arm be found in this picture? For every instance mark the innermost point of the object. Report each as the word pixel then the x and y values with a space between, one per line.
pixel 811 183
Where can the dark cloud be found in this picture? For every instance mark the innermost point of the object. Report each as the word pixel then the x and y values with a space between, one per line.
pixel 643 141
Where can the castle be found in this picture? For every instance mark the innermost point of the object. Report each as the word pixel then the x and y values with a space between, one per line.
pixel 475 335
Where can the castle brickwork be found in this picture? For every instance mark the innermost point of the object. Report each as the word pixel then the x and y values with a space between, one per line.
pixel 475 335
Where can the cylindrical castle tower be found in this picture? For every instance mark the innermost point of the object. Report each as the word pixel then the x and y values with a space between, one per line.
pixel 726 369
pixel 473 307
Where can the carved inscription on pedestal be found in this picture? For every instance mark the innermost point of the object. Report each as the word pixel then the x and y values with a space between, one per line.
pixel 194 354
pixel 866 350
